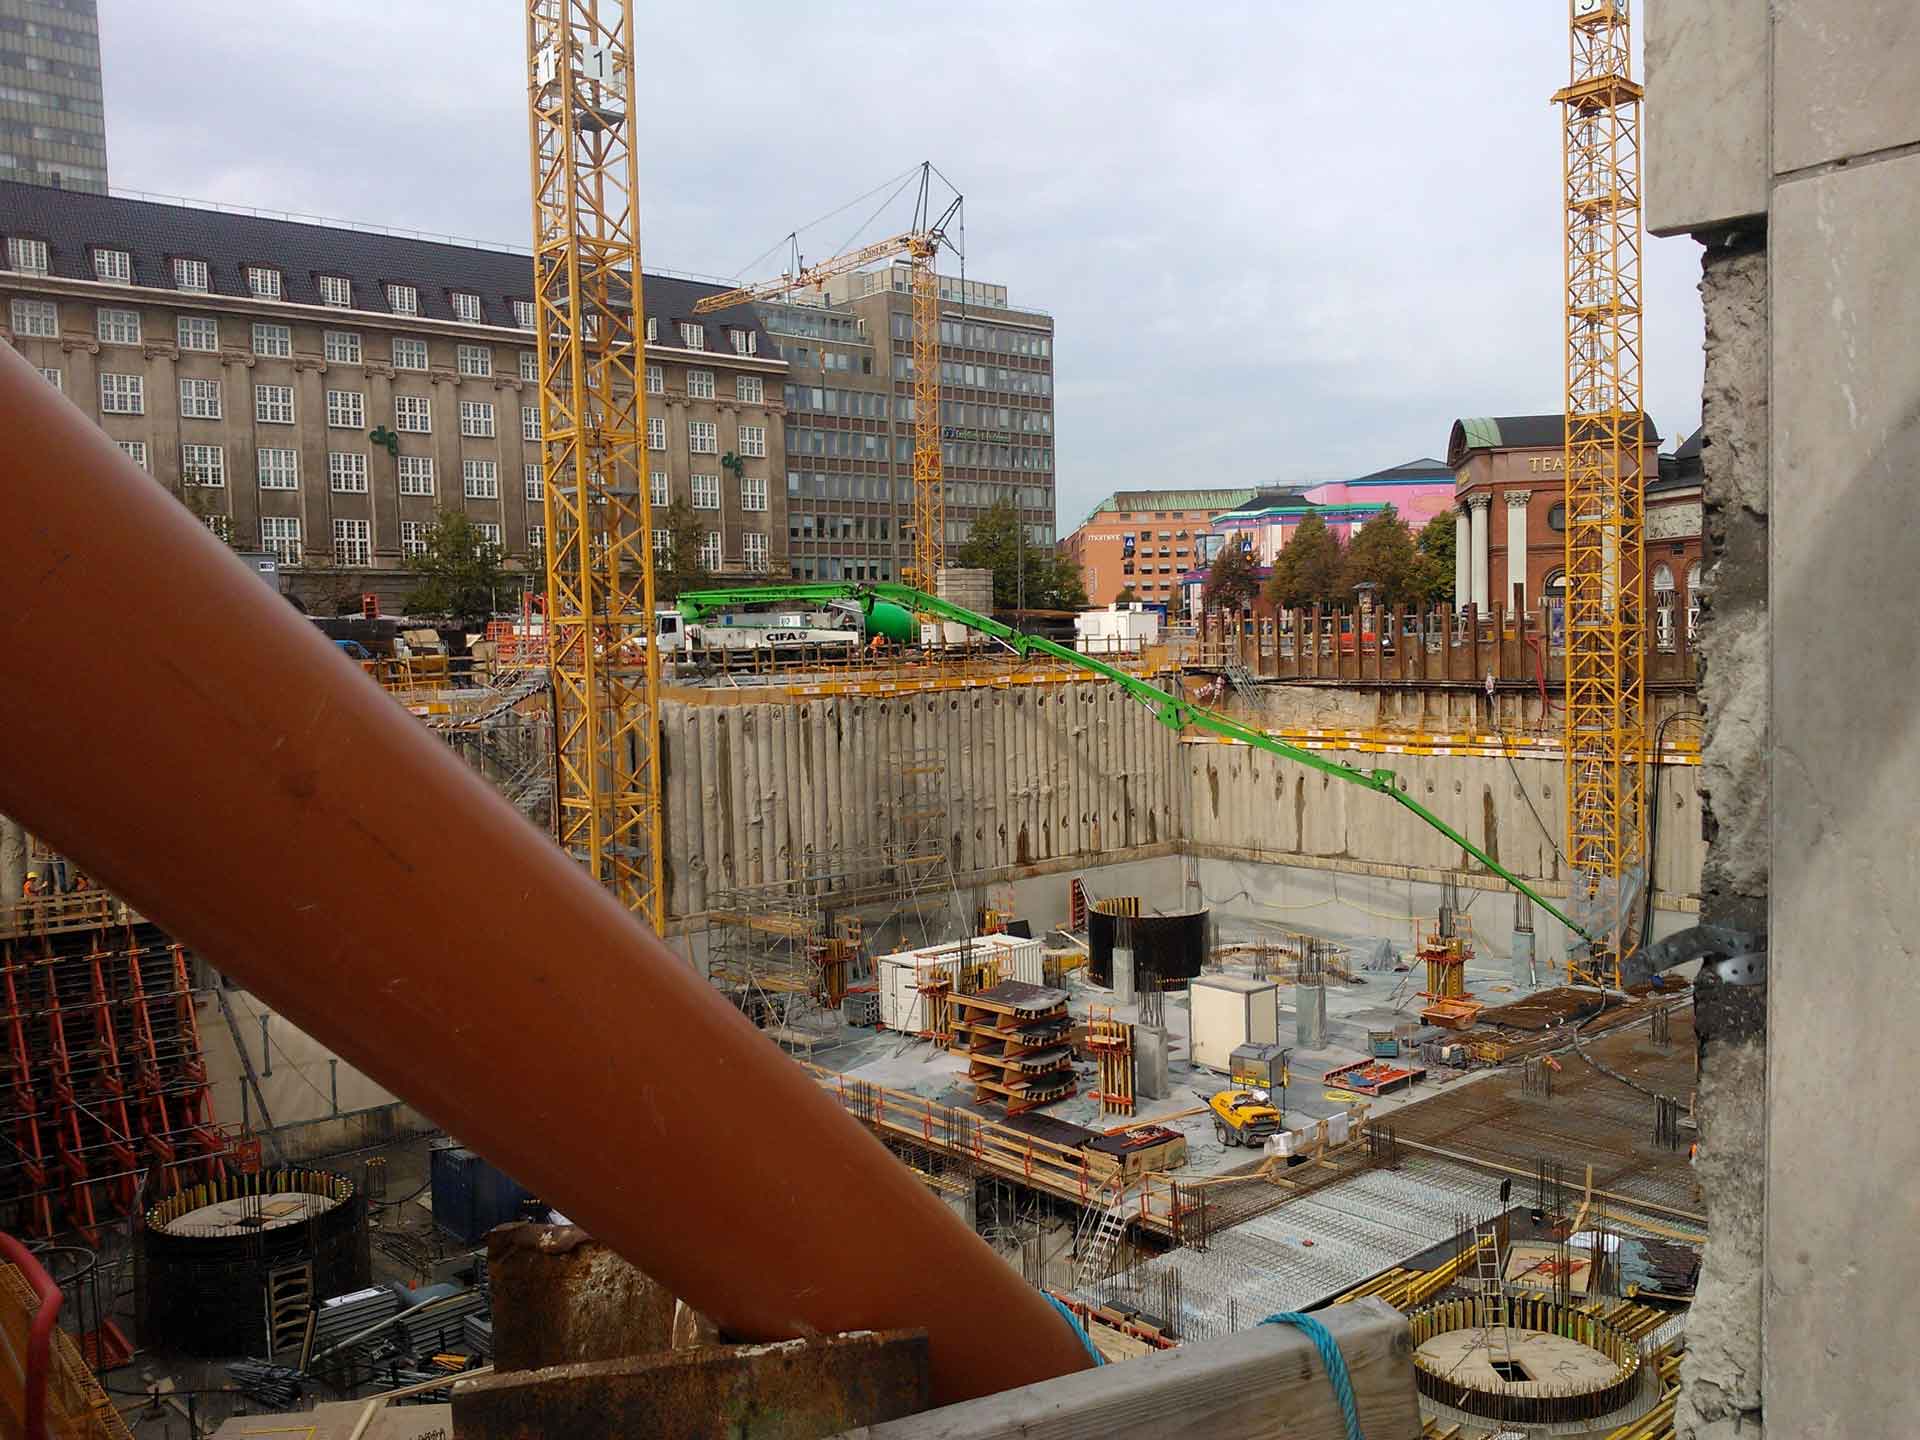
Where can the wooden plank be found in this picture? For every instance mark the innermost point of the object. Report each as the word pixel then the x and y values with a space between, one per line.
pixel 1263 1384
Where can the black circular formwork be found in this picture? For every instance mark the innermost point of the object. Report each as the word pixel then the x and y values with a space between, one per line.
pixel 1167 949
pixel 206 1253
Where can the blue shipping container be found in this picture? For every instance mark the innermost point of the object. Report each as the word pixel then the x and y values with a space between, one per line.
pixel 470 1196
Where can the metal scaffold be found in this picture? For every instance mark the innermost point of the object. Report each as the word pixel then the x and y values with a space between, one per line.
pixel 1605 431
pixel 599 513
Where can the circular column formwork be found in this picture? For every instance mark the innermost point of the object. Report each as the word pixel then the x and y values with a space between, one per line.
pixel 1522 1360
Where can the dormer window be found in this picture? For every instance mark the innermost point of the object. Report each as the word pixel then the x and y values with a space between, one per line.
pixel 693 335
pixel 190 275
pixel 263 282
pixel 114 266
pixel 403 299
pixel 466 306
pixel 337 291
pixel 29 257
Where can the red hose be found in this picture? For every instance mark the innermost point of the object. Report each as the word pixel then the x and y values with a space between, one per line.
pixel 40 1338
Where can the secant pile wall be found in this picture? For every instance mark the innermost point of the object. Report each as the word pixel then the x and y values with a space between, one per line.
pixel 1013 777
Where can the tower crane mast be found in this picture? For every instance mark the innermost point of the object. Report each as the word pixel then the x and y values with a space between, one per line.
pixel 1605 486
pixel 589 311
pixel 920 245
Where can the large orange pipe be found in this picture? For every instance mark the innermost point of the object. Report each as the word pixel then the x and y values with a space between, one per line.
pixel 187 737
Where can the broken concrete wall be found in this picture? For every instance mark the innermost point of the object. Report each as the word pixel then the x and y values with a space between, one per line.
pixel 1784 137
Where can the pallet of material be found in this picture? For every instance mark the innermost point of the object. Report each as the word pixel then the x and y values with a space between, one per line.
pixel 1011 1035
pixel 1374 1077
pixel 1026 1094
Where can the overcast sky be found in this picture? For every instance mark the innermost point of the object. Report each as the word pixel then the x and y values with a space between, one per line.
pixel 1280 241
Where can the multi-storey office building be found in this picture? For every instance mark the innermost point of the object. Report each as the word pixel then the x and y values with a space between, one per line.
pixel 850 419
pixel 53 128
pixel 322 393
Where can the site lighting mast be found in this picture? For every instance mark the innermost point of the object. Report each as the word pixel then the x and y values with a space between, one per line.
pixel 921 246
pixel 1605 547
pixel 599 516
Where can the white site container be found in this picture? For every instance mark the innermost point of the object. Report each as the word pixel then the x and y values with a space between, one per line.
pixel 1116 630
pixel 1227 1011
pixel 898 975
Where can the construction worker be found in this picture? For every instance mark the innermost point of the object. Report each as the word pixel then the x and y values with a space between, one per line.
pixel 30 887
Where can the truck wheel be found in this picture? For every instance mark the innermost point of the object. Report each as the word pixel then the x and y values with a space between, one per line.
pixel 1220 1133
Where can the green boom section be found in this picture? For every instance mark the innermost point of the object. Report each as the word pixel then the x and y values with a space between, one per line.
pixel 887 605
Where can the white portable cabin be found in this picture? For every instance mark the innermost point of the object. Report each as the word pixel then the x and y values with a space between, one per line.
pixel 898 975
pixel 1228 1011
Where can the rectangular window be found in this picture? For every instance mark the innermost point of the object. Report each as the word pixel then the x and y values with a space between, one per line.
pixel 529 422
pixel 114 266
pixel 273 404
pixel 281 535
pixel 190 275
pixel 753 440
pixel 693 336
pixel 263 283
pixel 416 474
pixel 135 450
pixel 117 327
pixel 466 306
pixel 749 389
pixel 200 399
pixel 703 437
pixel 274 340
pixel 536 481
pixel 656 432
pixel 55 377
pixel 656 384
pixel 706 492
pixel 537 541
pixel 753 492
pixel 530 367
pixel 347 409
pixel 352 542
pixel 476 418
pixel 221 526
pixel 279 469
pixel 754 546
pixel 523 314
pixel 409 354
pixel 489 534
pixel 342 347
pixel 745 342
pixel 123 395
pixel 203 465
pixel 413 414
pixel 197 332
pixel 480 479
pixel 39 319
pixel 710 551
pixel 699 384
pixel 658 490
pixel 474 360
pixel 653 329
pixel 662 540
pixel 27 256
pixel 413 537
pixel 347 474
pixel 403 300
pixel 337 291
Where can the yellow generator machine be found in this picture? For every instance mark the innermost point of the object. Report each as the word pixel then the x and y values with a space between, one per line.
pixel 1244 1117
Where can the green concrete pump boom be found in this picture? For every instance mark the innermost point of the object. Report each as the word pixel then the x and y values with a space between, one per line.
pixel 1171 710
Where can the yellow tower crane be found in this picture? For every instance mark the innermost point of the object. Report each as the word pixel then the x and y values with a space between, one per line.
pixel 921 246
pixel 599 517
pixel 1605 557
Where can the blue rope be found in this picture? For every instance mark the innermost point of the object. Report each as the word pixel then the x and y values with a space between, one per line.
pixel 1331 1357
pixel 1078 1329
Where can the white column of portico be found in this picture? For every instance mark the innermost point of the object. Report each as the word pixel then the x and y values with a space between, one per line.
pixel 1462 557
pixel 1477 508
pixel 1516 543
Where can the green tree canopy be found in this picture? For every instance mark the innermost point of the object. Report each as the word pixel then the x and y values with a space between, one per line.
pixel 1381 553
pixel 1125 596
pixel 1310 568
pixel 1231 582
pixel 460 572
pixel 677 567
pixel 1433 570
pixel 1052 582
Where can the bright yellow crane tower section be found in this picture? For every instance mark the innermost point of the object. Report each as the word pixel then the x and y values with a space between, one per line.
pixel 599 518
pixel 1605 561
pixel 921 247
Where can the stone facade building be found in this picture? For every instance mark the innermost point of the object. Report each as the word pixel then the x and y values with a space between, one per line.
pixel 322 393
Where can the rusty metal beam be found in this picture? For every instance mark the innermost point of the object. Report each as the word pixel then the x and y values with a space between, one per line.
pixel 194 742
